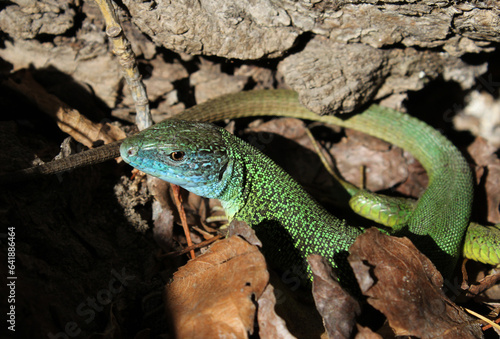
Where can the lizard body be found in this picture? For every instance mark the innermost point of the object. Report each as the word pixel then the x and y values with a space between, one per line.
pixel 251 187
pixel 436 224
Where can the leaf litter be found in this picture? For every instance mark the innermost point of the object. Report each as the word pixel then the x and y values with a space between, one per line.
pixel 377 158
pixel 409 295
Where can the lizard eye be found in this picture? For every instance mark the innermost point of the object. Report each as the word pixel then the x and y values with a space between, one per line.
pixel 177 155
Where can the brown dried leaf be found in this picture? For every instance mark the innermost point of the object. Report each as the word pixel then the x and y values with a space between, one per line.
pixel 143 334
pixel 352 154
pixel 296 307
pixel 270 324
pixel 112 331
pixel 242 229
pixel 162 213
pixel 417 181
pixel 407 288
pixel 483 154
pixel 337 307
pixel 163 226
pixel 212 295
pixel 366 333
pixel 493 293
pixel 487 282
pixel 367 140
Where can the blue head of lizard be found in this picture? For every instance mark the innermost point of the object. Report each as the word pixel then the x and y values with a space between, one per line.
pixel 192 155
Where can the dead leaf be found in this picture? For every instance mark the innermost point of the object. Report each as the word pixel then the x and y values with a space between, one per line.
pixel 417 180
pixel 407 288
pixel 337 307
pixel 366 333
pixel 367 140
pixel 484 155
pixel 351 155
pixel 270 324
pixel 213 295
pixel 487 282
pixel 242 229
pixel 162 213
pixel 143 334
pixel 290 128
pixel 163 226
pixel 493 293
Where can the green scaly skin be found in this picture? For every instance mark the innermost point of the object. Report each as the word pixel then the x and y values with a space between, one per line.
pixel 250 186
pixel 440 215
pixel 481 243
pixel 392 212
pixel 254 189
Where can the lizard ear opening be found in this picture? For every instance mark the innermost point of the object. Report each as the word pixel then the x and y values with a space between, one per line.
pixel 222 170
pixel 131 151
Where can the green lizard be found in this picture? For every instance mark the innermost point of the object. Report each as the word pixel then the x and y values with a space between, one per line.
pixel 256 190
pixel 211 162
pixel 395 213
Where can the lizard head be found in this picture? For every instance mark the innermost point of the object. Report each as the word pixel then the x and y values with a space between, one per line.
pixel 192 155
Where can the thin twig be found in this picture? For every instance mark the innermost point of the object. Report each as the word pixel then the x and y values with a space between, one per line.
pixel 194 247
pixel 122 49
pixel 178 202
pixel 347 185
pixel 491 323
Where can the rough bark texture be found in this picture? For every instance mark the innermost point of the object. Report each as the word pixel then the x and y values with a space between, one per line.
pixel 344 67
pixel 29 19
pixel 333 77
pixel 253 29
pixel 77 234
pixel 362 49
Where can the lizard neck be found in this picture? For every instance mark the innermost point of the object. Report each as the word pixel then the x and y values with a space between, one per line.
pixel 233 189
pixel 232 193
pixel 285 217
pixel 255 189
